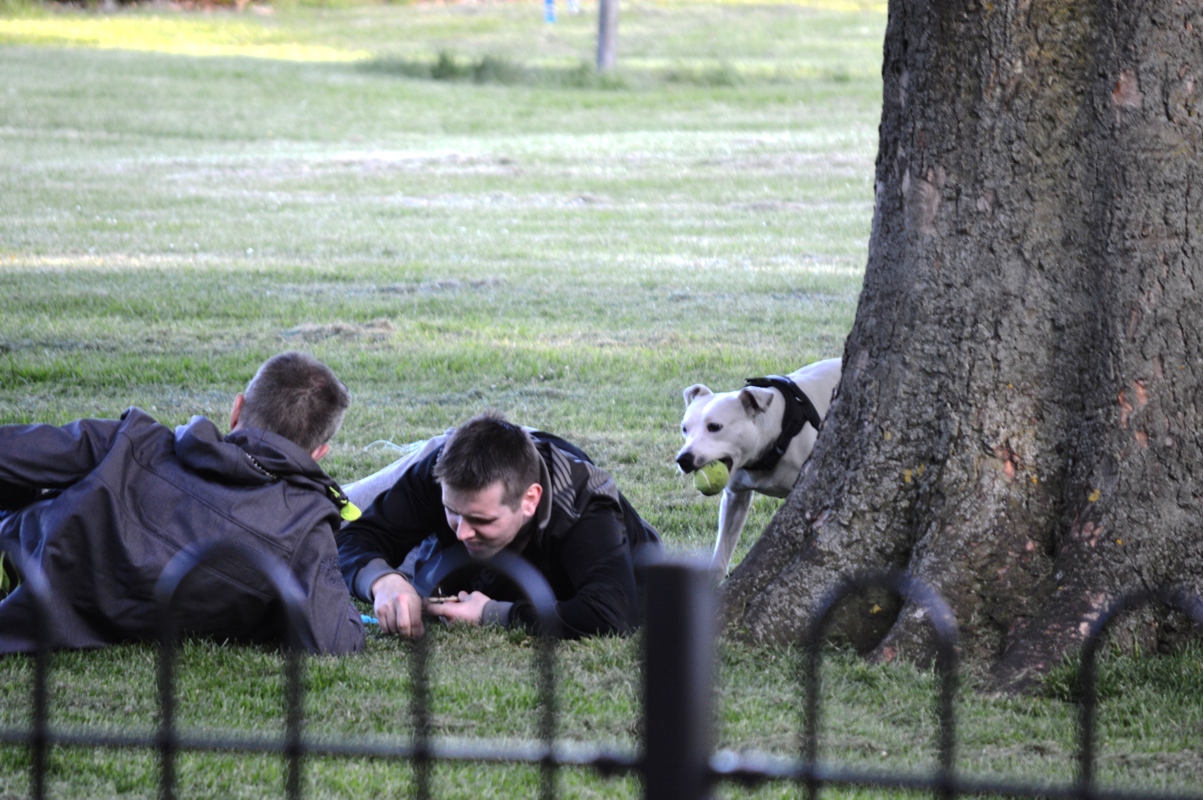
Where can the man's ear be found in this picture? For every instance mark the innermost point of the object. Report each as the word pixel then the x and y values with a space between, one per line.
pixel 531 498
pixel 755 400
pixel 236 411
pixel 319 452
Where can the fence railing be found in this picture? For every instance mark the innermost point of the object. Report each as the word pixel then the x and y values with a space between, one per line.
pixel 677 760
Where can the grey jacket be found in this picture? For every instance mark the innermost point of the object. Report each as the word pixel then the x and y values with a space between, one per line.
pixel 132 494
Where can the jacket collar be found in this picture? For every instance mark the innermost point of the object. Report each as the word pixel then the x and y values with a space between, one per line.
pixel 253 457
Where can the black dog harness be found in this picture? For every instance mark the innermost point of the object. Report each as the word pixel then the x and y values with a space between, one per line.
pixel 798 411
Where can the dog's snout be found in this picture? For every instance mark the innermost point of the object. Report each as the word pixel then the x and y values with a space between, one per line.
pixel 685 462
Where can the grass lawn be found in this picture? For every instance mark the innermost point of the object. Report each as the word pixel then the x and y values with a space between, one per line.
pixel 447 205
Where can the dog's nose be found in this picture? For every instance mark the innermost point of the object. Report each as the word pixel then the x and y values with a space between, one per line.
pixel 685 462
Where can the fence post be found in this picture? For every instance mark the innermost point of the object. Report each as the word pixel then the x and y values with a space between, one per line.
pixel 678 696
pixel 39 735
pixel 419 676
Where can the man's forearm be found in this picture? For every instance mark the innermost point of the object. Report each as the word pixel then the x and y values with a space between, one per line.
pixel 365 552
pixel 368 574
pixel 496 612
pixel 389 529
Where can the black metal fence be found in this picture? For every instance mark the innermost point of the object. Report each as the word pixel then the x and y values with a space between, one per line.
pixel 677 759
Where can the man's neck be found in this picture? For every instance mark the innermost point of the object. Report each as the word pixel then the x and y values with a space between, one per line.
pixel 525 534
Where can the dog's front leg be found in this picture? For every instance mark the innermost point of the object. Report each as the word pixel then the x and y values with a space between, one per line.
pixel 732 513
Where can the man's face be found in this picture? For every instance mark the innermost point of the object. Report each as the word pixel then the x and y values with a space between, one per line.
pixel 483 522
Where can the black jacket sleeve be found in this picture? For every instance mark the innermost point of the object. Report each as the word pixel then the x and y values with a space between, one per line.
pixel 595 559
pixel 396 522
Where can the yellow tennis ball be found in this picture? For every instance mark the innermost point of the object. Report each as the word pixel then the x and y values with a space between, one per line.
pixel 712 478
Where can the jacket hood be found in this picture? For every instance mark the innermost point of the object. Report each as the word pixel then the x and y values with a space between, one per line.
pixel 248 457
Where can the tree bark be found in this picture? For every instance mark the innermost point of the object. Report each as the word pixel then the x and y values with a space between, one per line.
pixel 1017 423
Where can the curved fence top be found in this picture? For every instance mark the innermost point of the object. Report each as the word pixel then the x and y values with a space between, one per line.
pixel 288 590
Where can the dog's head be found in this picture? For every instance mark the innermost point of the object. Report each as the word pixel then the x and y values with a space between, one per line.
pixel 727 427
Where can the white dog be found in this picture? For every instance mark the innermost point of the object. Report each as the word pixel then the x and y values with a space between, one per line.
pixel 763 433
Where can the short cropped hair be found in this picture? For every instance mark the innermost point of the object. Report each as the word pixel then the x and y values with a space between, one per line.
pixel 298 397
pixel 487 449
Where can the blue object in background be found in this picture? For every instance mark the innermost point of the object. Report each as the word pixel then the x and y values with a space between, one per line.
pixel 549 10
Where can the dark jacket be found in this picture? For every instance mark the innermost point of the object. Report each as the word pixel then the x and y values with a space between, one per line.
pixel 133 494
pixel 581 539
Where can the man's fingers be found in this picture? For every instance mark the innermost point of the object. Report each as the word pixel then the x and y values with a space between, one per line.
pixel 400 614
pixel 397 606
pixel 464 607
pixel 386 613
pixel 414 613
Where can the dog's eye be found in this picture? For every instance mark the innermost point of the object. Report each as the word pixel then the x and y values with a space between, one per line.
pixel 714 427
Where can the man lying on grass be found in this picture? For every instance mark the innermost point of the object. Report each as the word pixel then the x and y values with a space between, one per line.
pixel 485 487
pixel 110 502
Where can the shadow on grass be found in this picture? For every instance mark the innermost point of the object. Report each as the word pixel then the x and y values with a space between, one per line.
pixel 490 70
pixel 503 71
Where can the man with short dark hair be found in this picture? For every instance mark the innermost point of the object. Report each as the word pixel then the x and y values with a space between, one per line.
pixel 114 500
pixel 489 486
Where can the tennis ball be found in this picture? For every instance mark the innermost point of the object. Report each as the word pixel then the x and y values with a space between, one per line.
pixel 711 478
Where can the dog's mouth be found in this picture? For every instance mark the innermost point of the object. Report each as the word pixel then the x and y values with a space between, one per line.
pixel 726 461
pixel 687 465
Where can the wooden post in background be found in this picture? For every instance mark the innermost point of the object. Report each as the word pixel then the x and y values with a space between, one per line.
pixel 607 34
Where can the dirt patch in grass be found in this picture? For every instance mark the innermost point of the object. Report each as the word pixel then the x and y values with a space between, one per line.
pixel 376 330
pixel 438 286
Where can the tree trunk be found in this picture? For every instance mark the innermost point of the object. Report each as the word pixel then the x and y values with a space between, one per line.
pixel 1018 419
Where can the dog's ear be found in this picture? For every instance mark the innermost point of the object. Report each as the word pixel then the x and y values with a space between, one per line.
pixel 756 400
pixel 694 392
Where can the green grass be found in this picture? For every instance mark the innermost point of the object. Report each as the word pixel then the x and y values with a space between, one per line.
pixel 450 207
pixel 875 718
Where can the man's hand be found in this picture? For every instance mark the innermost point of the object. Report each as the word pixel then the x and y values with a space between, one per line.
pixel 470 608
pixel 397 605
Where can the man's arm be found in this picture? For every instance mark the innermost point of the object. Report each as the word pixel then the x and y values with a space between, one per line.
pixel 596 557
pixel 371 548
pixel 396 522
pixel 49 457
pixel 335 625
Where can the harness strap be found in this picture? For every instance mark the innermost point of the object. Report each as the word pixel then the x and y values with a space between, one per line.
pixel 798 411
